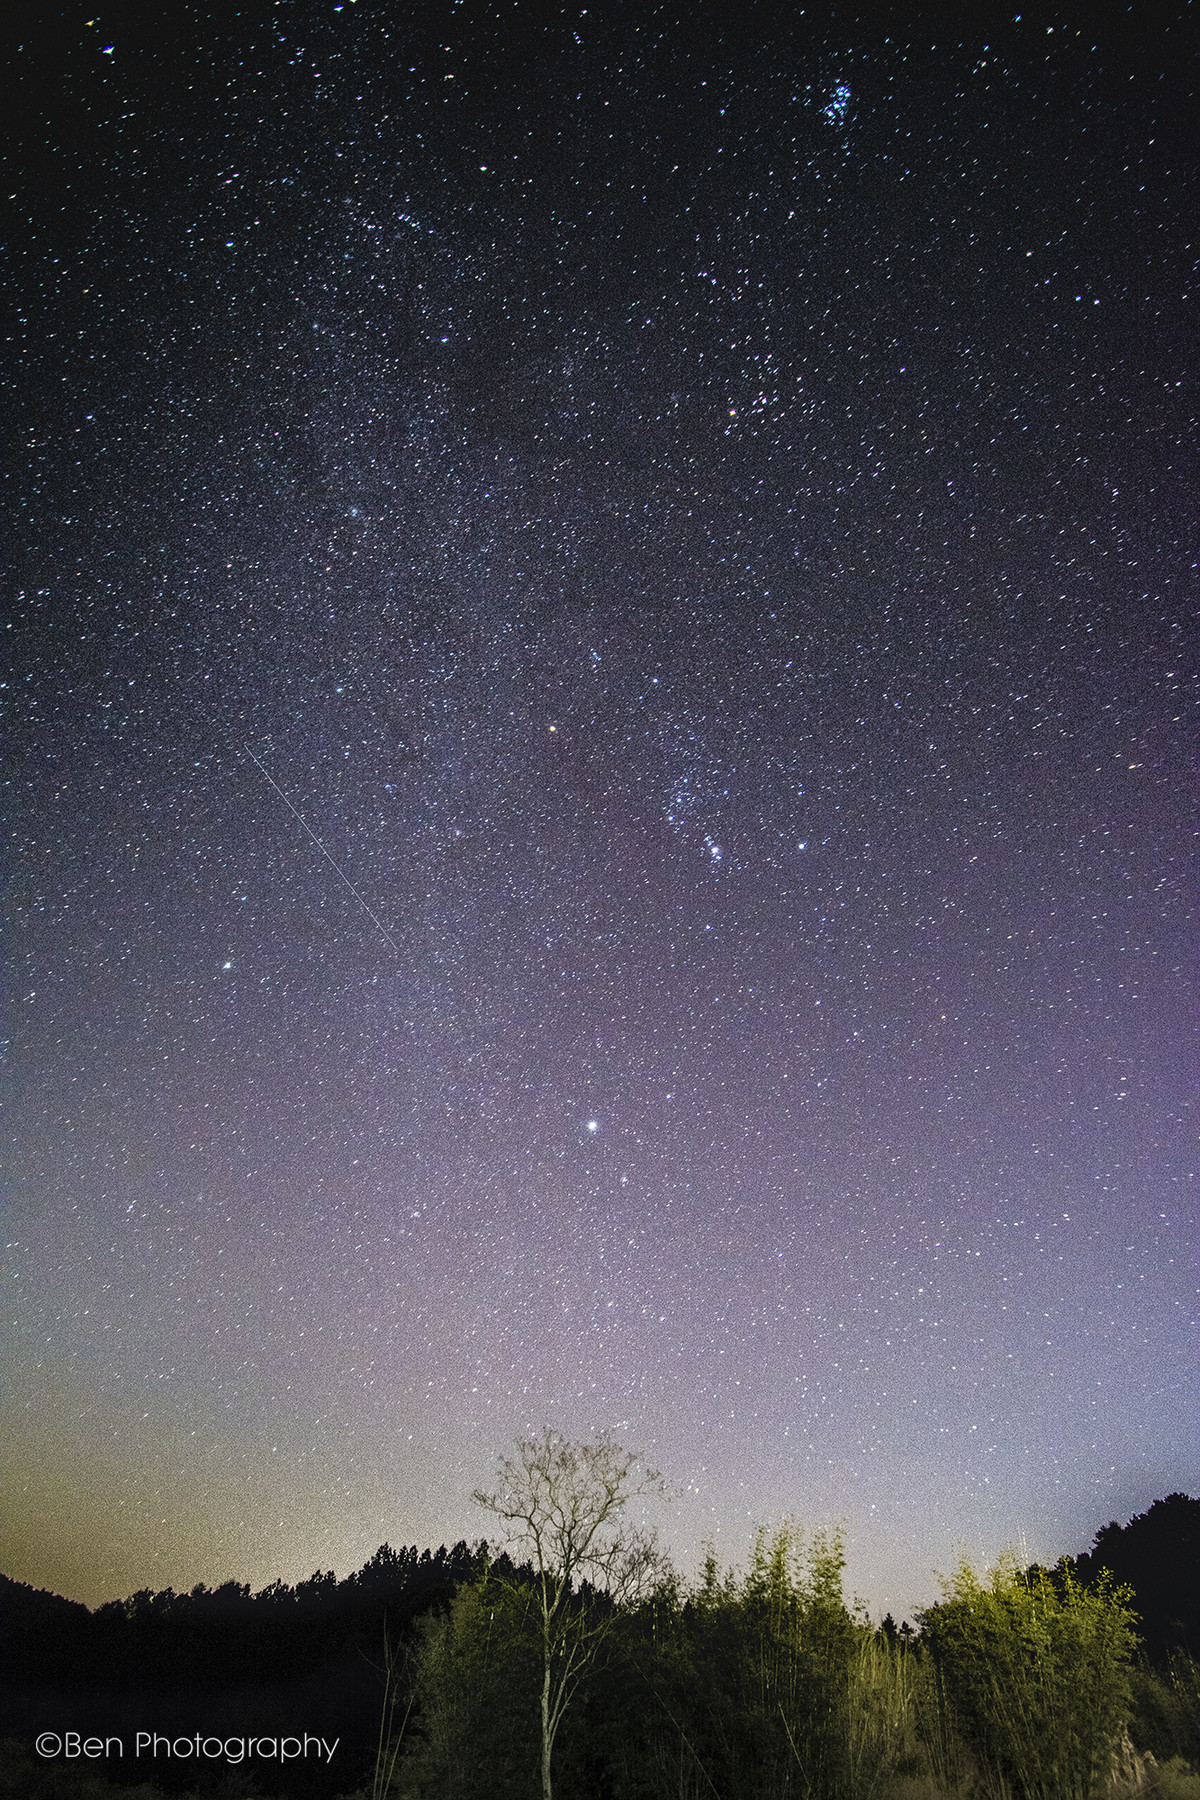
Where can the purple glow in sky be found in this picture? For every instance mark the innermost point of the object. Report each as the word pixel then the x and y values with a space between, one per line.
pixel 597 780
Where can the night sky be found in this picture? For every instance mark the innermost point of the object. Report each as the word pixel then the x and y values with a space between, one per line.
pixel 599 776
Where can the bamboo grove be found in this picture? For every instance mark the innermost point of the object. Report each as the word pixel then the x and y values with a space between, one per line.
pixel 764 1685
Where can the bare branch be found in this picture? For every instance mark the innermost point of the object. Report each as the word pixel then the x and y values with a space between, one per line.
pixel 563 1505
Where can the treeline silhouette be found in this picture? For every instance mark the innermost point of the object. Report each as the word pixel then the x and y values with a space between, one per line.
pixel 184 1639
pixel 752 1685
pixel 309 1658
pixel 1157 1554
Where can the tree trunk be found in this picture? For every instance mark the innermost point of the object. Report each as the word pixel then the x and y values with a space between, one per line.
pixel 547 1792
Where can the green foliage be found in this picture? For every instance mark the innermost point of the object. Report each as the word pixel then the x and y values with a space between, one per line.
pixel 888 1686
pixel 1176 1780
pixel 753 1680
pixel 944 1764
pixel 1166 1710
pixel 1035 1671
pixel 476 1679
pixel 801 1640
pixel 761 1685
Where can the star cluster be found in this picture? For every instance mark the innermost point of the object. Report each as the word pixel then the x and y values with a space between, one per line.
pixel 599 683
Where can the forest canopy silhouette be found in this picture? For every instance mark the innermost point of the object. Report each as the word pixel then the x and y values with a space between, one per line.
pixel 575 1661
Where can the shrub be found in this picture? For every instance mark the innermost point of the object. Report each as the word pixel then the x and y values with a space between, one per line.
pixel 474 1735
pixel 1035 1670
pixel 1166 1710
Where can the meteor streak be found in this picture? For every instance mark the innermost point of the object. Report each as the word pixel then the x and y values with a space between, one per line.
pixel 341 874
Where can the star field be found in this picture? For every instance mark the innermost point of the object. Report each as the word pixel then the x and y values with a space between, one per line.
pixel 598 687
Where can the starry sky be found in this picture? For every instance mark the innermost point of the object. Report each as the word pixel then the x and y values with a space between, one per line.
pixel 597 777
